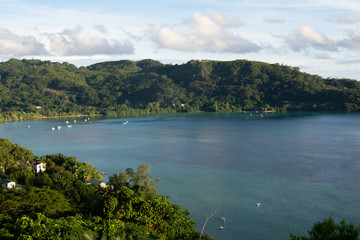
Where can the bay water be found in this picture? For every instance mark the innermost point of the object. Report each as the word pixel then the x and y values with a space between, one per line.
pixel 301 167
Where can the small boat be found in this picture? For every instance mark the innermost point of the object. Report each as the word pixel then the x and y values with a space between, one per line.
pixel 103 173
pixel 53 129
pixel 223 219
pixel 59 127
pixel 258 204
pixel 69 126
pixel 126 122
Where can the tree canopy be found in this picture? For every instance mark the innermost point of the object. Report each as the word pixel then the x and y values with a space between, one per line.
pixel 60 202
pixel 33 88
pixel 329 230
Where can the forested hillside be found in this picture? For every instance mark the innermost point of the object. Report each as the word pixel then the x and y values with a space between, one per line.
pixel 64 201
pixel 34 88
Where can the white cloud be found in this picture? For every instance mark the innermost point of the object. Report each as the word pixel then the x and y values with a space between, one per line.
pixel 353 40
pixel 345 20
pixel 16 45
pixel 69 42
pixel 100 28
pixel 306 37
pixel 209 33
pixel 81 42
pixel 222 20
pixel 165 37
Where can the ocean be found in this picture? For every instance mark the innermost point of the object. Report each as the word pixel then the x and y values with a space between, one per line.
pixel 301 167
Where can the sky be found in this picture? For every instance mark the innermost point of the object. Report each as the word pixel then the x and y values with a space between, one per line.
pixel 320 37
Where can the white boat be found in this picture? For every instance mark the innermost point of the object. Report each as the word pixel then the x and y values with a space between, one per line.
pixel 223 219
pixel 126 122
pixel 258 204
pixel 53 129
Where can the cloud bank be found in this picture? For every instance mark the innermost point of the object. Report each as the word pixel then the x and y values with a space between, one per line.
pixel 306 38
pixel 210 32
pixel 81 42
pixel 16 45
pixel 353 40
pixel 69 42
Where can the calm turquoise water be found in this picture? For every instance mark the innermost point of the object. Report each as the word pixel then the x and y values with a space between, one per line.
pixel 301 167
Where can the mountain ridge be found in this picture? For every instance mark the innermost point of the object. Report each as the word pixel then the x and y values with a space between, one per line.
pixel 53 88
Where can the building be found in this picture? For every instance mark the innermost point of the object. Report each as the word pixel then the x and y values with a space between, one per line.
pixel 8 184
pixel 96 183
pixel 39 167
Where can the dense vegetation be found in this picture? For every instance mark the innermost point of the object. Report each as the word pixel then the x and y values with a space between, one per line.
pixel 329 230
pixel 33 88
pixel 58 204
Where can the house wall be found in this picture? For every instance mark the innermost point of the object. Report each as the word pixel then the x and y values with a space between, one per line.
pixel 40 167
pixel 10 185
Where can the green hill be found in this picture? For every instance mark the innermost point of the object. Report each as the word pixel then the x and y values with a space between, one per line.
pixel 34 88
pixel 66 200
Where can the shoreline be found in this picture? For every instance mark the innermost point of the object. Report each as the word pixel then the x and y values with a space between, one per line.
pixel 48 117
pixel 143 113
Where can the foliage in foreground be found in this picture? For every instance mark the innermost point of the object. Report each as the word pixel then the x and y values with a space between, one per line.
pixel 57 204
pixel 329 230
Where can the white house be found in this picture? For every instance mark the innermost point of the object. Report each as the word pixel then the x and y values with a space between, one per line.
pixel 8 184
pixel 96 183
pixel 39 167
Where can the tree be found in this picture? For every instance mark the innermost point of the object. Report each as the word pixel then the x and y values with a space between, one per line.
pixel 329 230
pixel 33 201
pixel 119 180
pixel 57 204
pixel 143 180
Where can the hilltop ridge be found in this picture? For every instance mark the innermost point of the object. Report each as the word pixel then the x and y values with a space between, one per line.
pixel 33 88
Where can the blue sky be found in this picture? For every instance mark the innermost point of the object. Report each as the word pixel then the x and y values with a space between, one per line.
pixel 318 36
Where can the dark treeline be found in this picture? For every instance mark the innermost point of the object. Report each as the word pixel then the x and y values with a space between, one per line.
pixel 67 200
pixel 34 88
